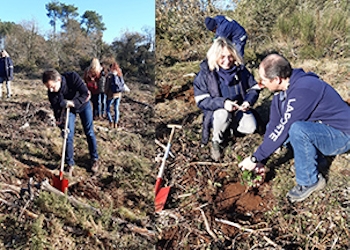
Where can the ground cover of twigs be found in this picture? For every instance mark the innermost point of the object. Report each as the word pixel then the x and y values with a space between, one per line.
pixel 110 210
pixel 211 205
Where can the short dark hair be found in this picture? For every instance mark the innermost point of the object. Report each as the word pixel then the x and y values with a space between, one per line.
pixel 51 74
pixel 276 65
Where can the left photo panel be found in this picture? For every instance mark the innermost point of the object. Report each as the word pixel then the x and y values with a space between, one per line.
pixel 77 83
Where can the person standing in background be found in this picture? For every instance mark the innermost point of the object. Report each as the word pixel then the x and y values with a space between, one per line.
pixel 102 98
pixel 114 88
pixel 224 27
pixel 91 77
pixel 6 72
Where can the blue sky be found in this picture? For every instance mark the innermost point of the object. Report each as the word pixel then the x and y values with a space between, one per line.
pixel 117 15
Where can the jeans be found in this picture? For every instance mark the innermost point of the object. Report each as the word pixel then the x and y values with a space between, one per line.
pixel 115 102
pixel 240 44
pixel 101 104
pixel 95 104
pixel 88 127
pixel 8 87
pixel 308 139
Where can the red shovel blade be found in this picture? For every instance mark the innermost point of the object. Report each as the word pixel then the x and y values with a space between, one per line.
pixel 60 183
pixel 161 198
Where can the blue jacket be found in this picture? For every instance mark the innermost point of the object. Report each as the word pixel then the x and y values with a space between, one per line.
pixel 6 68
pixel 307 98
pixel 231 30
pixel 210 94
pixel 72 88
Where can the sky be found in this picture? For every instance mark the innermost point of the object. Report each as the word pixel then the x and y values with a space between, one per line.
pixel 117 15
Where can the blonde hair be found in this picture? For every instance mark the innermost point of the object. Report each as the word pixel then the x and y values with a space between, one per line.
pixel 214 53
pixel 95 67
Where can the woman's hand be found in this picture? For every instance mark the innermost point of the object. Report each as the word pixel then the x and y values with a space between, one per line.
pixel 231 105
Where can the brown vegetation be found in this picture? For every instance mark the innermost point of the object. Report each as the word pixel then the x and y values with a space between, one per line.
pixel 111 210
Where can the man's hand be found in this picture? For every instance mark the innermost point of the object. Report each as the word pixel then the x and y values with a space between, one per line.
pixel 247 164
pixel 69 104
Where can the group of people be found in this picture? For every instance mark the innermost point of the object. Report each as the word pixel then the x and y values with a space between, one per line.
pixel 100 82
pixel 307 115
pixel 69 90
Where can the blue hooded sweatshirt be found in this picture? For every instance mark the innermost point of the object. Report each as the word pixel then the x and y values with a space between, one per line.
pixel 307 98
pixel 232 30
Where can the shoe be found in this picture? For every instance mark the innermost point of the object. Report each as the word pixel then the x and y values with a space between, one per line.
pixel 300 193
pixel 115 125
pixel 111 124
pixel 215 151
pixel 94 166
pixel 69 170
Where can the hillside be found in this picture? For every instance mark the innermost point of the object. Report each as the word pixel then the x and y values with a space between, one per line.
pixel 111 210
pixel 211 205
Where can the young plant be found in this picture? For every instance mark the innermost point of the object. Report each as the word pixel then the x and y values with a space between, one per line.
pixel 254 178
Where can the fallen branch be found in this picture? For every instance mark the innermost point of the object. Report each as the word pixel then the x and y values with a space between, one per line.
pixel 230 223
pixel 29 213
pixel 206 163
pixel 164 147
pixel 14 188
pixel 45 185
pixel 207 226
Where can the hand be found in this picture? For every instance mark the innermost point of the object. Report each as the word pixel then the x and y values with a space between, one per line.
pixel 69 104
pixel 245 106
pixel 230 105
pixel 247 164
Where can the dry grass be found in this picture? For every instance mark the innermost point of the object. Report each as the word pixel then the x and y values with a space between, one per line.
pixel 320 222
pixel 122 191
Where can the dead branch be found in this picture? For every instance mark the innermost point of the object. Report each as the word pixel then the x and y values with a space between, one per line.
pixel 45 185
pixel 10 204
pixel 14 188
pixel 207 226
pixel 210 163
pixel 164 147
pixel 230 223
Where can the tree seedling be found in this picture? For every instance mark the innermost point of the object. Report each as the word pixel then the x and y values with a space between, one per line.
pixel 254 178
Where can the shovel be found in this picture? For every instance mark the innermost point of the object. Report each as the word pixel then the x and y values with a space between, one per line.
pixel 162 193
pixel 58 181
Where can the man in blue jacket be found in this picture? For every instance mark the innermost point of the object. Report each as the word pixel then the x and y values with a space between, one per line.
pixel 224 27
pixel 69 90
pixel 307 113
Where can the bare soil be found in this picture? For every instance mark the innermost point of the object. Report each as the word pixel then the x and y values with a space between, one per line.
pixel 210 206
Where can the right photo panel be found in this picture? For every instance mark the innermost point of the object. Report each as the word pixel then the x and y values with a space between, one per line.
pixel 252 124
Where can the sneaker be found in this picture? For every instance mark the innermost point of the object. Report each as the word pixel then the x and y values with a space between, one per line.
pixel 215 151
pixel 69 170
pixel 94 166
pixel 300 193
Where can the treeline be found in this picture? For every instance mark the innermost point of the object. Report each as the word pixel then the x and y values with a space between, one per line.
pixel 73 44
pixel 300 29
